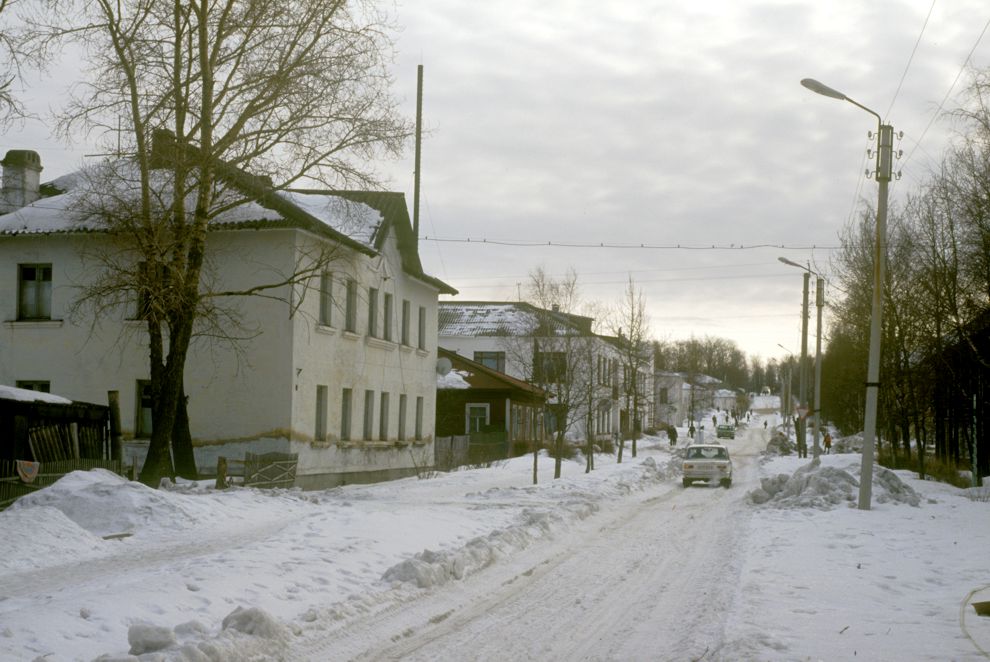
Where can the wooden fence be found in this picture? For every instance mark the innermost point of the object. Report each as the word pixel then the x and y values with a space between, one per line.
pixel 478 448
pixel 12 486
pixel 265 470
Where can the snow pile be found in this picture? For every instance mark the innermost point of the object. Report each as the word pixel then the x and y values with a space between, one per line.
pixel 851 444
pixel 104 503
pixel 825 487
pixel 455 379
pixel 250 633
pixel 42 537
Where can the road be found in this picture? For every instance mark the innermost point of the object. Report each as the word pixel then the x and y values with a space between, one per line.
pixel 648 578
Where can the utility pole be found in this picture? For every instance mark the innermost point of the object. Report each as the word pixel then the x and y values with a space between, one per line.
pixel 802 425
pixel 883 175
pixel 819 303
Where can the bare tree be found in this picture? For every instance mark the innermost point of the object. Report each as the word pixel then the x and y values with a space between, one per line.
pixel 554 350
pixel 630 325
pixel 287 91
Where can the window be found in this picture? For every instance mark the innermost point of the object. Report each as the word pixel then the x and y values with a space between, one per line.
pixel 143 422
pixel 321 413
pixel 402 417
pixel 373 312
pixel 421 341
pixel 34 289
pixel 405 322
pixel 493 360
pixel 477 415
pixel 345 414
pixel 350 310
pixel 387 317
pixel 383 417
pixel 34 385
pixel 419 417
pixel 369 415
pixel 663 397
pixel 326 298
pixel 550 367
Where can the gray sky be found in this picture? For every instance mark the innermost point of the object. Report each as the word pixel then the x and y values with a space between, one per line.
pixel 661 123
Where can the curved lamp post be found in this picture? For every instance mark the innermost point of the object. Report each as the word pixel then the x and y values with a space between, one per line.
pixel 885 134
pixel 819 303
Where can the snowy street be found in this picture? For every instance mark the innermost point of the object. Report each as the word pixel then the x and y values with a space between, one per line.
pixel 650 577
pixel 620 564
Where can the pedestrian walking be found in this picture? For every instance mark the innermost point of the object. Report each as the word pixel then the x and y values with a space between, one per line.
pixel 828 443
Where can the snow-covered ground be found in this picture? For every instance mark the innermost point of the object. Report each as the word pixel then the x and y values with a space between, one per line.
pixel 622 563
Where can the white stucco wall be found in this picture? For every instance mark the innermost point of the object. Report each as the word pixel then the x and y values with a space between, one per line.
pixel 265 389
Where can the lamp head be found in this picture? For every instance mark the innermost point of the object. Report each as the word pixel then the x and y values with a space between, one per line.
pixel 822 89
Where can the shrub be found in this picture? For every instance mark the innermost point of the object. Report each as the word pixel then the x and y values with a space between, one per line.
pixel 944 471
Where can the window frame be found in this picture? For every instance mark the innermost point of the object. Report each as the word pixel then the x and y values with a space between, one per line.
pixel 406 319
pixel 497 357
pixel 326 298
pixel 369 415
pixel 346 410
pixel 383 407
pixel 350 309
pixel 320 429
pixel 421 328
pixel 32 307
pixel 373 312
pixel 387 305
pixel 468 418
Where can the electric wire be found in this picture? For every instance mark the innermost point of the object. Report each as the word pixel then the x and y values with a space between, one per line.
pixel 948 92
pixel 520 243
pixel 907 67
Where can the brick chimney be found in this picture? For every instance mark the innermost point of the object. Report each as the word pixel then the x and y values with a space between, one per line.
pixel 21 179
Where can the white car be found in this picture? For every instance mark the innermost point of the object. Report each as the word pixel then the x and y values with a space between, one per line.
pixel 707 462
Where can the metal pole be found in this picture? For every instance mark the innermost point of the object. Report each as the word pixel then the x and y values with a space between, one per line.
pixel 802 424
pixel 884 156
pixel 819 303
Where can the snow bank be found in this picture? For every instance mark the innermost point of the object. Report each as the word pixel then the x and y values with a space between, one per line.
pixel 574 501
pixel 42 537
pixel 246 634
pixel 104 503
pixel 826 487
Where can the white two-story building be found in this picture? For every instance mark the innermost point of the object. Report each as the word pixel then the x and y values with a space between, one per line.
pixel 344 374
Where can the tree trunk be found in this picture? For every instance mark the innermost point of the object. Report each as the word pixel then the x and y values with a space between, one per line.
pixel 182 448
pixel 558 452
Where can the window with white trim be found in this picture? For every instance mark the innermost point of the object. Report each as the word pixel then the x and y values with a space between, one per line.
pixel 34 291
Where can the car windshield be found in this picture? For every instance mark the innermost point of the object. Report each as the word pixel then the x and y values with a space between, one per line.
pixel 707 453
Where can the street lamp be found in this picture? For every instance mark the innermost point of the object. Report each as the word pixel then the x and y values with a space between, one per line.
pixel 885 136
pixel 819 303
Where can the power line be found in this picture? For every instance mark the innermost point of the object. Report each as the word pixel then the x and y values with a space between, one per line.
pixel 684 247
pixel 948 92
pixel 910 59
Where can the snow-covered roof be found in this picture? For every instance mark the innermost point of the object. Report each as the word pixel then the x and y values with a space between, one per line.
pixel 27 395
pixel 85 199
pixel 455 379
pixel 488 318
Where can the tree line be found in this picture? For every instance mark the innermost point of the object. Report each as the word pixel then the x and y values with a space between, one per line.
pixel 935 355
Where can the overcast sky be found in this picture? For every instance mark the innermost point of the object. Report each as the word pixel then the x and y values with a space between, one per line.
pixel 661 123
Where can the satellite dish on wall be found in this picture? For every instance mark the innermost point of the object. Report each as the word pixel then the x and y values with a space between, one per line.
pixel 443 366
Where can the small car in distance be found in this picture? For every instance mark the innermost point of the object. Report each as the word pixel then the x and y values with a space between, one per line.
pixel 707 462
pixel 725 432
